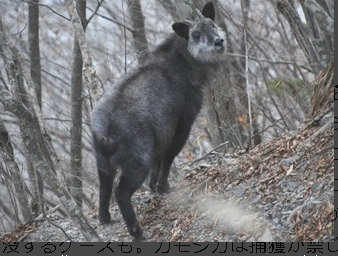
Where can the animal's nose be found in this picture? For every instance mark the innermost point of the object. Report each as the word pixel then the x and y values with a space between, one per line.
pixel 219 42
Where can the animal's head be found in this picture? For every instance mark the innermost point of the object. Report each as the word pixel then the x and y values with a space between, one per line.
pixel 206 41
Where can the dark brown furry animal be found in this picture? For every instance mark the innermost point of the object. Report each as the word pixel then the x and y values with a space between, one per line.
pixel 142 122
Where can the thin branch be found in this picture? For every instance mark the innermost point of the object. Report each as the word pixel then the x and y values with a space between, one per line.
pixel 301 34
pixel 125 38
pixel 282 62
pixel 247 82
pixel 40 149
pixel 207 154
pixel 112 20
pixel 49 8
pixel 99 3
pixel 170 8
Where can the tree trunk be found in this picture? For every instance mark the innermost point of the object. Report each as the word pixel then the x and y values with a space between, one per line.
pixel 318 51
pixel 139 36
pixel 89 70
pixel 19 185
pixel 170 7
pixel 225 106
pixel 317 54
pixel 35 71
pixel 37 141
pixel 76 112
pixel 34 47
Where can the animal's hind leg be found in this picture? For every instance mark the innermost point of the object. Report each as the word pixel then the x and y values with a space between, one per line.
pixel 163 186
pixel 176 146
pixel 154 175
pixel 106 176
pixel 130 181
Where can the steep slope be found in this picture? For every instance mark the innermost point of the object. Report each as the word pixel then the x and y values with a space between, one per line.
pixel 279 191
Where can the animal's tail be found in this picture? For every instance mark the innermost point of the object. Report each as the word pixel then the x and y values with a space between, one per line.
pixel 107 146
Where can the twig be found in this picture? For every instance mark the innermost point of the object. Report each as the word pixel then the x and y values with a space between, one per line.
pixel 247 82
pixel 318 118
pixel 283 62
pixel 211 151
pixel 328 125
pixel 266 128
pixel 99 3
pixel 49 8
pixel 59 227
pixel 301 34
pixel 49 212
pixel 125 39
pixel 111 20
pixel 44 214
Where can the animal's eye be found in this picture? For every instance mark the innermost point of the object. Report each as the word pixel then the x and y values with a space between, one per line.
pixel 211 23
pixel 196 35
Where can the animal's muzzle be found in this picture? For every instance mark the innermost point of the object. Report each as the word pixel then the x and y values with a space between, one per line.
pixel 219 42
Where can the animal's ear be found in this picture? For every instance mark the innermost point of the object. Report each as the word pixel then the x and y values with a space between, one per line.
pixel 181 29
pixel 209 11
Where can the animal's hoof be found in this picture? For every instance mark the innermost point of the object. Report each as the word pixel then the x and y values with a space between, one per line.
pixel 137 234
pixel 163 189
pixel 105 219
pixel 139 239
pixel 152 188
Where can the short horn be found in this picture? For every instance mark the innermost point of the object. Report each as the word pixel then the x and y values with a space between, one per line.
pixel 199 14
pixel 189 23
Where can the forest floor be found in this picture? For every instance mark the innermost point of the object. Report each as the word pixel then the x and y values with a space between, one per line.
pixel 278 191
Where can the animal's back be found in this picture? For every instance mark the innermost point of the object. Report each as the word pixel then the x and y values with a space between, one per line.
pixel 148 103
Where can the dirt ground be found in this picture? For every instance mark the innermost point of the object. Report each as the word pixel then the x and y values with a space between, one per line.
pixel 279 191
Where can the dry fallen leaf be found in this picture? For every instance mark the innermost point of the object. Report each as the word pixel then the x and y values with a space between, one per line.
pixel 290 170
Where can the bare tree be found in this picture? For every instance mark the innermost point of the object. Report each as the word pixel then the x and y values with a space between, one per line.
pixel 315 39
pixel 139 36
pixel 34 47
pixel 35 71
pixel 270 61
pixel 317 42
pixel 170 7
pixel 89 70
pixel 35 135
pixel 16 181
pixel 224 105
pixel 76 112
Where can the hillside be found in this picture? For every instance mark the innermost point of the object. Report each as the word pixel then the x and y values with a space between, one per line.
pixel 279 191
pixel 282 190
pixel 261 94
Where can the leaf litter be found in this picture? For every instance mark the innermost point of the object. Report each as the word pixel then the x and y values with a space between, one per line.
pixel 282 190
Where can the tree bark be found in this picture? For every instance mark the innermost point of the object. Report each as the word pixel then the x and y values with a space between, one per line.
pixel 319 51
pixel 34 47
pixel 35 141
pixel 76 113
pixel 322 96
pixel 225 106
pixel 139 36
pixel 38 143
pixel 301 34
pixel 19 185
pixel 222 114
pixel 89 70
pixel 170 7
pixel 35 71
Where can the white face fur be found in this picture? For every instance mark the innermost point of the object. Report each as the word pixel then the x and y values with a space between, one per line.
pixel 202 38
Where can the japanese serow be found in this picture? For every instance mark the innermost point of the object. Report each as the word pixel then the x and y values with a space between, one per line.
pixel 141 123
